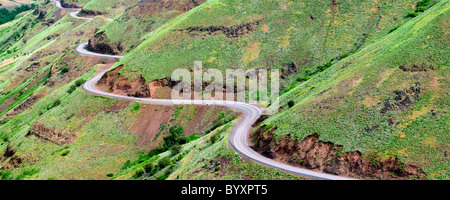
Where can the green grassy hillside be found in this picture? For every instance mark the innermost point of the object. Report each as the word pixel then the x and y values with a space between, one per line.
pixel 206 158
pixel 51 129
pixel 389 99
pixel 372 77
pixel 124 33
pixel 263 34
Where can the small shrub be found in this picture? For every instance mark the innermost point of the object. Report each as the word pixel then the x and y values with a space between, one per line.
pixel 71 89
pixel 65 153
pixel 412 14
pixel 395 28
pixel 54 104
pixel 192 137
pixel 291 103
pixel 64 69
pixel 302 79
pixel 79 82
pixel 308 72
pixel 4 137
pixel 176 130
pixel 213 139
pixel 267 127
pixel 175 149
pixel 136 106
pixel 420 9
pixel 70 116
pixel 164 162
pixel 6 175
pixel 110 175
pixel 149 167
pixel 127 164
pixel 161 178
pixel 138 173
pixel 29 172
pixel 345 55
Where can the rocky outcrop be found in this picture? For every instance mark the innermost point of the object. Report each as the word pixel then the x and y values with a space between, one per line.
pixel 88 13
pixel 24 105
pixel 231 32
pixel 402 99
pixel 412 67
pixel 9 159
pixel 144 11
pixel 100 44
pixel 327 157
pixel 288 69
pixel 114 82
pixel 51 134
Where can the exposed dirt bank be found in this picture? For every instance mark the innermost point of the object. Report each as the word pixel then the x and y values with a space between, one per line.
pixel 10 160
pixel 154 122
pixel 50 134
pixel 114 82
pixel 89 13
pixel 311 153
pixel 231 32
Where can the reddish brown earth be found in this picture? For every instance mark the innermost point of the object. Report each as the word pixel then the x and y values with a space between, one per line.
pixel 50 134
pixel 152 117
pixel 89 13
pixel 113 82
pixel 69 4
pixel 24 105
pixel 4 106
pixel 311 153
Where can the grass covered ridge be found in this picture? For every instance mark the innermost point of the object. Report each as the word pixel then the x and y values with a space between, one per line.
pixel 389 99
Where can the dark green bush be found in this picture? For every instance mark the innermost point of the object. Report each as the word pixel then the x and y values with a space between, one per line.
pixel 6 15
pixel 412 14
pixel 71 89
pixel 64 69
pixel 149 167
pixel 213 139
pixel 291 103
pixel 164 162
pixel 301 79
pixel 138 173
pixel 136 106
pixel 65 153
pixel 175 149
pixel 176 130
pixel 127 164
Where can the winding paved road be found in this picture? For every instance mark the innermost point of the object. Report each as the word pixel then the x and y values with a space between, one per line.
pixel 75 12
pixel 238 137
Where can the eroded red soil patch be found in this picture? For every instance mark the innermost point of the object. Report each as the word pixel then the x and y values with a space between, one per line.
pixel 311 153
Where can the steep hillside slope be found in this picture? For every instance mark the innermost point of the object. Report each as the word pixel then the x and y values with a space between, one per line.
pixel 368 97
pixel 124 33
pixel 380 113
pixel 262 34
pixel 110 8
